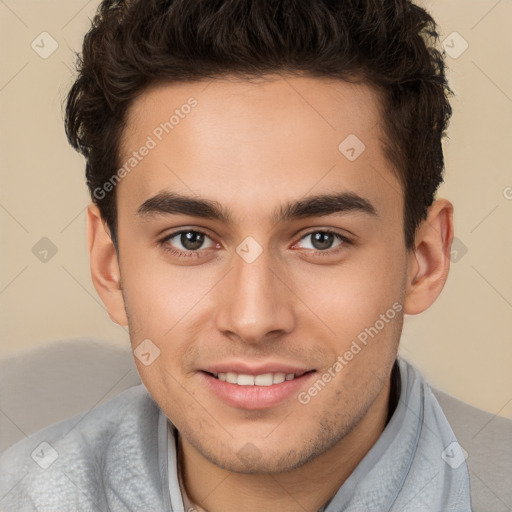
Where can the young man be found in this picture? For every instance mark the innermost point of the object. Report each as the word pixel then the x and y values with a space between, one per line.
pixel 263 177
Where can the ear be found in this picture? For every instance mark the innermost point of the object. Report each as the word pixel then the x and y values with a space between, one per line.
pixel 429 262
pixel 105 272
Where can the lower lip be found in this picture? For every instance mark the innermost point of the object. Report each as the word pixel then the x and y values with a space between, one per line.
pixel 255 397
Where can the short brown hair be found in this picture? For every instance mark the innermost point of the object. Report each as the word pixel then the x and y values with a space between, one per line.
pixel 390 44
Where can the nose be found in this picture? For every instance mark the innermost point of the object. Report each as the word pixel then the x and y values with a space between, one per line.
pixel 255 301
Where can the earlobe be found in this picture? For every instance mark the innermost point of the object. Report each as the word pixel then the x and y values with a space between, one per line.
pixel 429 262
pixel 104 265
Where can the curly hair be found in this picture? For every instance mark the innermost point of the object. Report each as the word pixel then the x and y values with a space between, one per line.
pixel 389 44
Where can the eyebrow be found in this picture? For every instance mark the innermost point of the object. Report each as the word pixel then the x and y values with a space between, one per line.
pixel 171 203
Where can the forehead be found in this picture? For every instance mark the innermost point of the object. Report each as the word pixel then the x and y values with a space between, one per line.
pixel 262 102
pixel 227 136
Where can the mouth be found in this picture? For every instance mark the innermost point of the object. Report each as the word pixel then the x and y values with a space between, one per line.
pixel 263 379
pixel 255 391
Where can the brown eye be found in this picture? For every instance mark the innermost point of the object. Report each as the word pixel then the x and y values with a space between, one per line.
pixel 324 240
pixel 186 242
pixel 191 240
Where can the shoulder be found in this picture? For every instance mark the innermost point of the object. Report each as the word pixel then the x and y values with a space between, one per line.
pixel 486 440
pixel 480 440
pixel 70 457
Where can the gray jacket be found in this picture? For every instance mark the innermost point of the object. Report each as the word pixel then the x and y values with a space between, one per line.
pixel 115 458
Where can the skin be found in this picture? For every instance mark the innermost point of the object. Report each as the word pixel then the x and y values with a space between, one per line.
pixel 252 146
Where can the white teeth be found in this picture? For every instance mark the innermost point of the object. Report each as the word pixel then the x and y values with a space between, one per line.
pixel 265 379
pixel 245 380
pixel 231 377
pixel 279 377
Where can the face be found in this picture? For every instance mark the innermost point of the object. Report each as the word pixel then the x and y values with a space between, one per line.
pixel 242 275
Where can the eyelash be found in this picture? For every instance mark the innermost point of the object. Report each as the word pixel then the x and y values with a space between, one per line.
pixel 186 254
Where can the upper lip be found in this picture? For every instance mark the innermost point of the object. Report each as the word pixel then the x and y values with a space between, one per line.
pixel 241 367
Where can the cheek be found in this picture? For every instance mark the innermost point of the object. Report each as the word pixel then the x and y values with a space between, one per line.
pixel 353 294
pixel 160 293
pixel 163 298
pixel 165 304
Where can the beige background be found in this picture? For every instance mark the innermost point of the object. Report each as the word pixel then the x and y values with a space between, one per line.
pixel 462 344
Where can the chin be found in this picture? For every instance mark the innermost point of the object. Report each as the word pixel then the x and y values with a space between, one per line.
pixel 267 459
pixel 256 462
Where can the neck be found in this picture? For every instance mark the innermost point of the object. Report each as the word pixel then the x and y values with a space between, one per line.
pixel 308 487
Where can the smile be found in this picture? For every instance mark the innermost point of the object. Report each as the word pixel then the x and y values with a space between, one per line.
pixel 255 391
pixel 264 379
